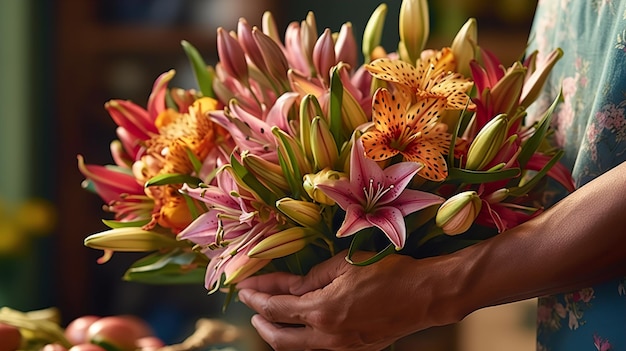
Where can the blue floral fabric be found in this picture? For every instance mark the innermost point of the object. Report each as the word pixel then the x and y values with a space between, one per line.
pixel 591 126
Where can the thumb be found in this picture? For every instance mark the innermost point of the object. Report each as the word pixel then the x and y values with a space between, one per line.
pixel 320 275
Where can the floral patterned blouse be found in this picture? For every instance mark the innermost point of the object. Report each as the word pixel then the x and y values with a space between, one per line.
pixel 591 126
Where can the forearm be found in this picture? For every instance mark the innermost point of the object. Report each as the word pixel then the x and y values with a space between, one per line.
pixel 579 241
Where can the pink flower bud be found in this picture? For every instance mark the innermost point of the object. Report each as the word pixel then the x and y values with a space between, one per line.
pixel 232 56
pixel 457 214
pixel 324 55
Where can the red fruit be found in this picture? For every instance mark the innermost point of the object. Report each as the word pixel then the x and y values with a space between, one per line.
pixel 86 347
pixel 149 343
pixel 53 347
pixel 120 332
pixel 10 336
pixel 76 331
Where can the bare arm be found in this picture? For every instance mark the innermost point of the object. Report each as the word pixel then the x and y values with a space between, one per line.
pixel 576 243
pixel 579 241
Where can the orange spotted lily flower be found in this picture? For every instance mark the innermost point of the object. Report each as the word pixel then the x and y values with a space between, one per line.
pixel 410 130
pixel 168 153
pixel 433 77
pixel 375 197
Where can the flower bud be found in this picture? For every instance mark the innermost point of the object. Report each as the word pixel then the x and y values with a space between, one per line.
pixel 534 83
pixel 487 143
pixel 269 173
pixel 506 93
pixel 323 145
pixel 269 26
pixel 312 180
pixel 273 56
pixel 345 46
pixel 497 196
pixel 308 40
pixel 457 214
pixel 233 58
pixel 241 267
pixel 248 44
pixel 373 31
pixel 283 243
pixel 464 46
pixel 414 27
pixel 131 239
pixel 305 213
pixel 324 54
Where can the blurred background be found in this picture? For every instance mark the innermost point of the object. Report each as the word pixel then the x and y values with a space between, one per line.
pixel 62 60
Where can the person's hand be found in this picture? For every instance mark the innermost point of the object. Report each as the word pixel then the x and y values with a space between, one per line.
pixel 339 306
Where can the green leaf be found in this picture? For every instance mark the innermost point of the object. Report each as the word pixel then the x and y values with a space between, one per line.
pixel 334 110
pixel 532 144
pixel 524 189
pixel 203 73
pixel 117 224
pixel 195 162
pixel 458 175
pixel 168 268
pixel 173 178
pixel 289 163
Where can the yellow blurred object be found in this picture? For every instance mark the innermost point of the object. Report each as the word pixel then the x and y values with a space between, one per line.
pixel 19 224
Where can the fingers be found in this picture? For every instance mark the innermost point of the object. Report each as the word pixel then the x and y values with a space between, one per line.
pixel 274 308
pixel 272 283
pixel 282 338
pixel 320 275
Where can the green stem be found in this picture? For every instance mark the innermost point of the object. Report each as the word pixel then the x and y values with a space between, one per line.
pixel 433 232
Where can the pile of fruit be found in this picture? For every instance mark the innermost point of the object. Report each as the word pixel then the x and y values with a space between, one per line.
pixel 41 331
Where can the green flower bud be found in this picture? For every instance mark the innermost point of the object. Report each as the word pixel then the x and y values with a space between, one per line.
pixel 283 243
pixel 414 26
pixel 373 31
pixel 312 180
pixel 457 214
pixel 487 143
pixel 131 239
pixel 269 173
pixel 464 46
pixel 305 213
pixel 323 145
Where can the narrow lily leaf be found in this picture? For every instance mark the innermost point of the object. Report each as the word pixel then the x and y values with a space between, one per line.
pixel 526 187
pixel 173 178
pixel 203 73
pixel 289 176
pixel 531 145
pixel 169 268
pixel 289 164
pixel 461 124
pixel 195 162
pixel 334 114
pixel 191 204
pixel 117 224
pixel 305 123
pixel 457 175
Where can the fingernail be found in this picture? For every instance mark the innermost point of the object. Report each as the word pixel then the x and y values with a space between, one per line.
pixel 243 295
pixel 254 320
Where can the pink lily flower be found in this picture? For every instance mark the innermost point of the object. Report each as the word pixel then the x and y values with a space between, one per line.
pixel 111 181
pixel 119 189
pixel 375 197
pixel 228 230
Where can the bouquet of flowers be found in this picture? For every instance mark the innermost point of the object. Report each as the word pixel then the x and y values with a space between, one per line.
pixel 292 150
